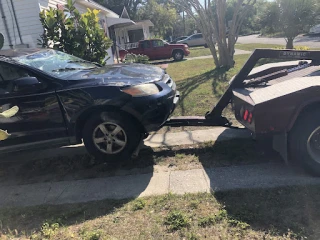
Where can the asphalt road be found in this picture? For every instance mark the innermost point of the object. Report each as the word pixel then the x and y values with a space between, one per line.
pixel 313 42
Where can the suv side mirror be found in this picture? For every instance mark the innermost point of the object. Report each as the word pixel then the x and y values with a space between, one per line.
pixel 27 85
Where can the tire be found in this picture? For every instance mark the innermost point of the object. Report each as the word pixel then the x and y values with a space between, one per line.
pixel 115 134
pixel 178 55
pixel 303 140
pixel 206 46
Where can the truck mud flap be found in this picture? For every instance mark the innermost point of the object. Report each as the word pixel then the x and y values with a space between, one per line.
pixel 280 145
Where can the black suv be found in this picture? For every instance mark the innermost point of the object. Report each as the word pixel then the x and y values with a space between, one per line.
pixel 62 99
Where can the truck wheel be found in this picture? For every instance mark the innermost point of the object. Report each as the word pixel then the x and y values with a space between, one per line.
pixel 304 141
pixel 111 136
pixel 178 55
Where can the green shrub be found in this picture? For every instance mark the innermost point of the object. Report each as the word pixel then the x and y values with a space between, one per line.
pixel 206 221
pixel 138 204
pixel 136 58
pixel 91 235
pixel 222 214
pixel 79 34
pixel 48 229
pixel 176 220
pixel 301 48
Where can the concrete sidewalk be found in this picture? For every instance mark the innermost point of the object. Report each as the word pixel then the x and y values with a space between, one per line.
pixel 237 52
pixel 177 182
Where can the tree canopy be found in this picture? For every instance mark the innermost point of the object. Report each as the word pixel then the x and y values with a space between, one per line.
pixel 290 17
pixel 162 13
pixel 131 5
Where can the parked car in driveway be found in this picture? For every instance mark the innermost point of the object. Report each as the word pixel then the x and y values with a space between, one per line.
pixel 194 40
pixel 157 49
pixel 63 100
pixel 315 30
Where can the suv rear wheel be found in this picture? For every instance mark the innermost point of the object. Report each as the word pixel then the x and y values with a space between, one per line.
pixel 304 141
pixel 111 136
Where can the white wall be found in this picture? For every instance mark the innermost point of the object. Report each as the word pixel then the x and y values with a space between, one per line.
pixel 27 12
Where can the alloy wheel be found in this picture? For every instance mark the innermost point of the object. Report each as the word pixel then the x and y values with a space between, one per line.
pixel 109 138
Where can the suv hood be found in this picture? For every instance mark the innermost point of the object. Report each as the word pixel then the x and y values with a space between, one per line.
pixel 119 75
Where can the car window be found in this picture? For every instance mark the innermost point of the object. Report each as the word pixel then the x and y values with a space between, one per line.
pixel 145 44
pixel 9 73
pixel 157 43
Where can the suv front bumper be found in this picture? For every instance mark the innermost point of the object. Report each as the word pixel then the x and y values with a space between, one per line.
pixel 153 111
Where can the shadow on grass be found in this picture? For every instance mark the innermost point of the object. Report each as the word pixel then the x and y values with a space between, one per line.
pixel 167 61
pixel 219 82
pixel 272 198
pixel 276 211
pixel 83 166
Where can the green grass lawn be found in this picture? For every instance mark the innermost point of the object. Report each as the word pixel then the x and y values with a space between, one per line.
pixel 283 213
pixel 200 84
pixel 199 51
pixel 253 46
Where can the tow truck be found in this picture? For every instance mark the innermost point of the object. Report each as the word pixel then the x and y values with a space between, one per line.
pixel 279 99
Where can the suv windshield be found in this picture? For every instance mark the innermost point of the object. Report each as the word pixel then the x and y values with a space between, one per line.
pixel 55 63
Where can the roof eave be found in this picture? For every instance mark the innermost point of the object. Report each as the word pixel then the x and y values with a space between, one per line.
pixel 93 4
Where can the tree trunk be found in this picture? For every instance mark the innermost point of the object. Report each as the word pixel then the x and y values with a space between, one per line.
pixel 212 23
pixel 289 43
pixel 226 61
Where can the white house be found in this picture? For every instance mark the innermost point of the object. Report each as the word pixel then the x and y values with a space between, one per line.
pixel 128 35
pixel 21 26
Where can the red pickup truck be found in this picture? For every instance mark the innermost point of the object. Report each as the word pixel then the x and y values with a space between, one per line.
pixel 157 49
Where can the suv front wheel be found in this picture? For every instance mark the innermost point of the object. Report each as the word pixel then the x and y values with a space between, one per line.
pixel 111 136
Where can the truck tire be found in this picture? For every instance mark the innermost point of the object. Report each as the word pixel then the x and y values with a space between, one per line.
pixel 304 141
pixel 111 136
pixel 178 55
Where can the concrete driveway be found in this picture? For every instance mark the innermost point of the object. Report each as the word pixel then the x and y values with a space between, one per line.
pixel 312 42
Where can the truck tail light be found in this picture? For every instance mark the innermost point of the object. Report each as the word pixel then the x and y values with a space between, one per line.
pixel 247 116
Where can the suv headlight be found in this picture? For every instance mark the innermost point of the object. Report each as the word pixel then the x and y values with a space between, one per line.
pixel 142 90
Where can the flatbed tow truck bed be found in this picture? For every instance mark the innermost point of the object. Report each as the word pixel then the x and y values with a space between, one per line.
pixel 280 99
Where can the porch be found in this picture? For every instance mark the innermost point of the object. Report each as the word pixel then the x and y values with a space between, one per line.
pixel 129 36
